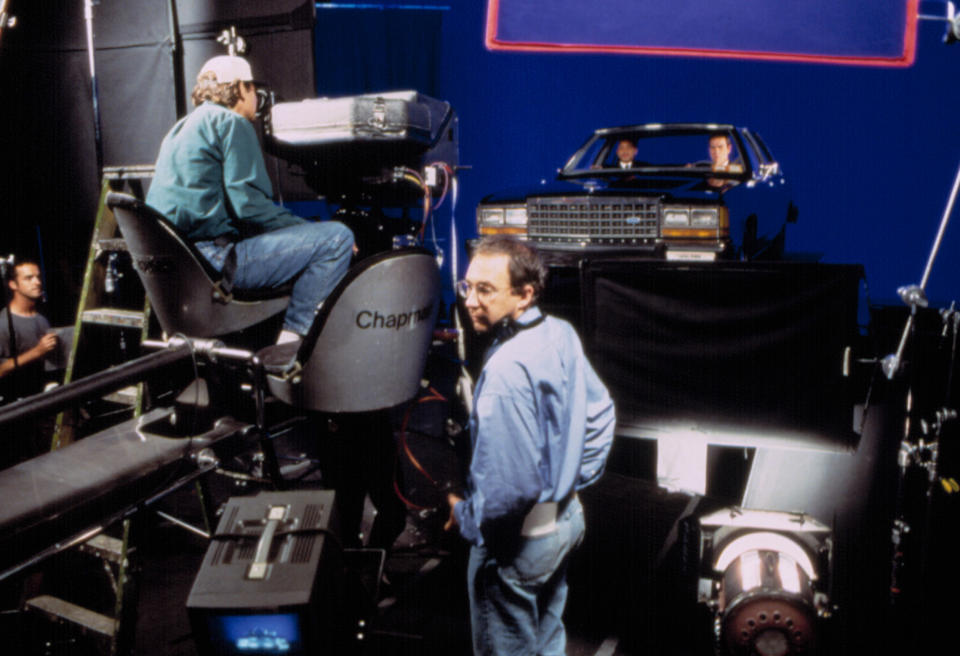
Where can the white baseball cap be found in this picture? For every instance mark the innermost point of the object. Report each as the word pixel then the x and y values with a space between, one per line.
pixel 228 68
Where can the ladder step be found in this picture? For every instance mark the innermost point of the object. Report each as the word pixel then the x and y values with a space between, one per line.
pixel 112 245
pixel 125 396
pixel 114 317
pixel 104 547
pixel 63 611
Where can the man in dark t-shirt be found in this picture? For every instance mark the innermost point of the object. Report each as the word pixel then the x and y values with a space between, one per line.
pixel 26 377
pixel 22 356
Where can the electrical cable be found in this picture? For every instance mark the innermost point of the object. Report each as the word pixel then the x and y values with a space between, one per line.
pixel 412 176
pixel 448 176
pixel 465 381
pixel 449 181
pixel 404 447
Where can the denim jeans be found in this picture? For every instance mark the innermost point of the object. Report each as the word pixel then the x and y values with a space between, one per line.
pixel 315 255
pixel 516 607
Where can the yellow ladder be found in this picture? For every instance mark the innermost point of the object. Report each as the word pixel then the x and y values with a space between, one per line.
pixel 102 258
pixel 113 633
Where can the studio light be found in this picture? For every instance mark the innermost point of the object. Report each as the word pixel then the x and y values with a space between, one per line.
pixel 765 575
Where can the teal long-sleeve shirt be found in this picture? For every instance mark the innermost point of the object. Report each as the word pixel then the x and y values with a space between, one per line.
pixel 210 178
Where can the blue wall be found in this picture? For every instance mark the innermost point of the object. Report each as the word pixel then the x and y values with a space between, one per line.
pixel 871 152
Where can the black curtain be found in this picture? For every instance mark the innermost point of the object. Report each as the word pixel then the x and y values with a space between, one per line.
pixel 732 347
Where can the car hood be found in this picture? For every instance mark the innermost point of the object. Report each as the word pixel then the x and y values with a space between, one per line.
pixel 692 188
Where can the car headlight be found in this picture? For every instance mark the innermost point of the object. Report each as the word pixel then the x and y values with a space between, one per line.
pixel 693 222
pixel 676 218
pixel 492 216
pixel 515 216
pixel 706 218
pixel 508 219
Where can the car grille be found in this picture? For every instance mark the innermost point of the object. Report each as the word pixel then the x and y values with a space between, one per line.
pixel 594 219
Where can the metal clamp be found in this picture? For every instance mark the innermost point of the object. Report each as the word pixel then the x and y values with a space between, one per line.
pixel 220 295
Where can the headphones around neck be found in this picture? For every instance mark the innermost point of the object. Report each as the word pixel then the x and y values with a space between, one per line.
pixel 508 327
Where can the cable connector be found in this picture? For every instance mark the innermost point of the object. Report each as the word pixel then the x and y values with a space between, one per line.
pixel 431 175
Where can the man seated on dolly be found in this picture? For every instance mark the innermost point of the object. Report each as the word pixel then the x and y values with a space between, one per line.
pixel 541 428
pixel 211 182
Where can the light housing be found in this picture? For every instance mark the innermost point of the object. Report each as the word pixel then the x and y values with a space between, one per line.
pixel 765 575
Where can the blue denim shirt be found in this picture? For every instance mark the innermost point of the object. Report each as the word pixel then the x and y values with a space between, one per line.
pixel 210 170
pixel 541 427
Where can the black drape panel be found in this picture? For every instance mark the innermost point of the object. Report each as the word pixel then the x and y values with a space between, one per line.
pixel 137 102
pixel 134 76
pixel 359 51
pixel 48 174
pixel 732 347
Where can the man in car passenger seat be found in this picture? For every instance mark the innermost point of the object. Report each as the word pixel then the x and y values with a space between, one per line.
pixel 541 428
pixel 720 148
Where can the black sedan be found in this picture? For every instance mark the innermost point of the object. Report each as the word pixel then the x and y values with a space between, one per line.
pixel 690 191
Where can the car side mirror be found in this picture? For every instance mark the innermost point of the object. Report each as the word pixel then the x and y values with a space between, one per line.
pixel 771 169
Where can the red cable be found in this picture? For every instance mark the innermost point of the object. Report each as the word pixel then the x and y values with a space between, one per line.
pixel 436 396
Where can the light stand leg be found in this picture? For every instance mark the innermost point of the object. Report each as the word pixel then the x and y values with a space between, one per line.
pixel 95 95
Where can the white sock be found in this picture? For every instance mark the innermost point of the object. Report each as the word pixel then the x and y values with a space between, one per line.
pixel 287 336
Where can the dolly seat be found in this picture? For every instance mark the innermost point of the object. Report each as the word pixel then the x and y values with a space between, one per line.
pixel 367 346
pixel 186 293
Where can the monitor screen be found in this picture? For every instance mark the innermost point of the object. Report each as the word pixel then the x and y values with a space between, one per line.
pixel 256 634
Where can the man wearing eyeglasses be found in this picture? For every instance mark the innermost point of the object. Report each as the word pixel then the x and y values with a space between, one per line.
pixel 541 428
pixel 212 183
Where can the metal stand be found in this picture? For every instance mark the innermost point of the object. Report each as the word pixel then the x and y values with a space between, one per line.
pixel 94 92
pixel 923 429
pixel 915 295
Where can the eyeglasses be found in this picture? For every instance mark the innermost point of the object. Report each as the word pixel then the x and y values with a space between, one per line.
pixel 484 291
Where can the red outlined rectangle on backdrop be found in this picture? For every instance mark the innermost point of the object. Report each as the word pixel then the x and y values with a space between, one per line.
pixel 851 32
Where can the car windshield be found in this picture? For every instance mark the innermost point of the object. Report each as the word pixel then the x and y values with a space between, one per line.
pixel 651 151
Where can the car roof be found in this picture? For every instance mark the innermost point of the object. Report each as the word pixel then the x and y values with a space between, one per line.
pixel 665 126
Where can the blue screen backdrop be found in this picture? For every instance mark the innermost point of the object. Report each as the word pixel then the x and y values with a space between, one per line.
pixel 870 151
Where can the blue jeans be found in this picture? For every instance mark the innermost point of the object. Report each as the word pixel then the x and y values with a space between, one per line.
pixel 315 255
pixel 516 607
